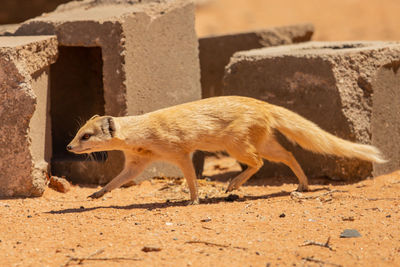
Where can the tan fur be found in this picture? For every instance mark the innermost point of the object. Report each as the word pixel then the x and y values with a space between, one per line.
pixel 243 127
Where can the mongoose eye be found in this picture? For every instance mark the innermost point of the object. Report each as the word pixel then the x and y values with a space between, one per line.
pixel 85 136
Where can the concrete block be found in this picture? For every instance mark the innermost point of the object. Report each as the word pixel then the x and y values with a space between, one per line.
pixel 116 59
pixel 25 133
pixel 347 88
pixel 216 51
pixel 385 124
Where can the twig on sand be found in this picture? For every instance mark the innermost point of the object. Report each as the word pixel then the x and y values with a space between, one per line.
pixel 79 260
pixel 311 259
pixel 212 244
pixel 314 243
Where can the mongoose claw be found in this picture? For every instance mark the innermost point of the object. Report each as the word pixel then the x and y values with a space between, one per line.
pixel 97 194
pixel 230 188
pixel 302 188
pixel 194 202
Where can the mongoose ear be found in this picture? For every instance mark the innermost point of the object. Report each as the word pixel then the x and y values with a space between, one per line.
pixel 95 116
pixel 108 126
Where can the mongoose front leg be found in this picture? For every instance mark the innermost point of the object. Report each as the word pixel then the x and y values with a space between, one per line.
pixel 186 165
pixel 133 167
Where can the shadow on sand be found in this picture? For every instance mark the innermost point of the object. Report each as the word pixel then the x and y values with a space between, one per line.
pixel 182 203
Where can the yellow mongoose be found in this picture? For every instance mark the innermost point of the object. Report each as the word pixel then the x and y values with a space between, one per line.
pixel 243 127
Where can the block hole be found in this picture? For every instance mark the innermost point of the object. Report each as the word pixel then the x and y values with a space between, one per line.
pixel 76 94
pixel 343 46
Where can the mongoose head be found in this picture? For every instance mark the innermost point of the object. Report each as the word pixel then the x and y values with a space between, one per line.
pixel 96 135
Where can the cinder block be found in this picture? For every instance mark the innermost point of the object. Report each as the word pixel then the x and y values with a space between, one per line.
pixel 347 88
pixel 385 125
pixel 25 134
pixel 216 51
pixel 116 59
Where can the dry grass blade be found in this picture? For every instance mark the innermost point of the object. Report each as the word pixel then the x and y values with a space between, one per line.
pixel 314 243
pixel 321 262
pixel 213 244
pixel 80 261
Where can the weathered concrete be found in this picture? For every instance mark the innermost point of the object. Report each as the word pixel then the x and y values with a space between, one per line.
pixel 116 59
pixel 333 85
pixel 25 143
pixel 216 51
pixel 385 125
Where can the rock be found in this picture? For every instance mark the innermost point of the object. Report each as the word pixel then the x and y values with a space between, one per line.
pixel 25 137
pixel 349 233
pixel 60 184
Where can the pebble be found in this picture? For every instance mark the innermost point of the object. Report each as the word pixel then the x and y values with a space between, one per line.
pixel 151 249
pixel 349 233
pixel 60 184
pixel 348 218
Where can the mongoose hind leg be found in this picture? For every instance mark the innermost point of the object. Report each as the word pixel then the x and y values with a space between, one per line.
pixel 253 161
pixel 274 152
pixel 241 179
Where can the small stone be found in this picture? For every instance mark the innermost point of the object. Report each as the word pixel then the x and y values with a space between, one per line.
pixel 232 198
pixel 60 184
pixel 283 215
pixel 206 220
pixel 348 218
pixel 137 223
pixel 349 233
pixel 388 216
pixel 150 249
pixel 82 207
pixel 29 216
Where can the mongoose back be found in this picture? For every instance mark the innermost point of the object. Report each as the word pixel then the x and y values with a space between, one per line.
pixel 243 127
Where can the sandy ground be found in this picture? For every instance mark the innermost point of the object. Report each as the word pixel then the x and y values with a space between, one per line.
pixel 334 20
pixel 263 224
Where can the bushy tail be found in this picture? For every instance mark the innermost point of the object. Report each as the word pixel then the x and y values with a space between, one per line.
pixel 309 136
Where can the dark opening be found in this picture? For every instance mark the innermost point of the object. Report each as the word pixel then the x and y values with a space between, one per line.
pixel 76 93
pixel 343 46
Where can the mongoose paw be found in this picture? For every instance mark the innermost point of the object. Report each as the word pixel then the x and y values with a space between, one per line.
pixel 230 188
pixel 97 194
pixel 302 188
pixel 194 202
